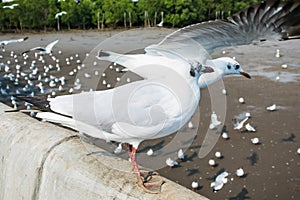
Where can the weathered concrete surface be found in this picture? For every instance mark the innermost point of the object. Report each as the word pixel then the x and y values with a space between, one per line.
pixel 42 161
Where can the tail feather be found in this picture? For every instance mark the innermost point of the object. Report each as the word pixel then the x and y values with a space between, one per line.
pixel 40 102
pixel 69 122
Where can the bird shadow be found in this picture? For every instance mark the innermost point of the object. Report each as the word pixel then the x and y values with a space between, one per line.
pixel 191 157
pixel 155 147
pixel 241 195
pixel 217 174
pixel 253 158
pixel 193 172
pixel 291 138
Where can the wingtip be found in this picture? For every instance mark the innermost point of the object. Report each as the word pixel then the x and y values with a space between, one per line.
pixel 25 38
pixel 102 54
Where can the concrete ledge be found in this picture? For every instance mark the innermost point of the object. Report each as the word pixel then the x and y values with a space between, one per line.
pixel 42 161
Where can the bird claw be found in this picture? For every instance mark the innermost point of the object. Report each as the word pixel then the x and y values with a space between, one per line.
pixel 149 181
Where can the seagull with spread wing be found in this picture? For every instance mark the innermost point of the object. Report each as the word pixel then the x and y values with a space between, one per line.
pixel 43 50
pixel 6 42
pixel 268 20
pixel 168 96
pixel 11 6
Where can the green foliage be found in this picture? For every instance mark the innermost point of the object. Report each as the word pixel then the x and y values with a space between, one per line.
pixel 40 14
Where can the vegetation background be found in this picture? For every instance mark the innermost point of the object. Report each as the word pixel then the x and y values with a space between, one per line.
pixel 39 15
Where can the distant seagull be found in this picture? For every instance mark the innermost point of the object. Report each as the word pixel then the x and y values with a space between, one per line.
pixel 180 154
pixel 42 50
pixel 60 14
pixel 214 121
pixel 220 180
pixel 238 125
pixel 6 42
pixel 250 128
pixel 11 6
pixel 272 107
pixel 160 24
pixel 7 1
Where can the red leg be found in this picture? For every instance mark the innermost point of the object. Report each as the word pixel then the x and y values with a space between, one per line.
pixel 144 178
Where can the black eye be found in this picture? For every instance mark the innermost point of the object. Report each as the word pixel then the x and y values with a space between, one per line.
pixel 228 67
pixel 237 66
pixel 192 73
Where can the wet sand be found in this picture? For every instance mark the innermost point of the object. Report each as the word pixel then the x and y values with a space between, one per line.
pixel 272 167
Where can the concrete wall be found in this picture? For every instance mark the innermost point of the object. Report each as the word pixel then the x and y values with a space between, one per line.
pixel 42 161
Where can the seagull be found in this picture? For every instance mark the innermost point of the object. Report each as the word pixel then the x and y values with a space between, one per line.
pixel 60 14
pixel 6 42
pixel 220 180
pixel 214 121
pixel 249 128
pixel 42 50
pixel 169 94
pixel 11 6
pixel 272 107
pixel 268 20
pixel 136 111
pixel 180 154
pixel 160 24
pixel 238 125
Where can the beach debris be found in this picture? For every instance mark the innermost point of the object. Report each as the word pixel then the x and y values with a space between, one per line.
pixel 241 100
pixel 272 107
pixel 249 128
pixel 219 182
pixel 171 163
pixel 180 154
pixel 195 185
pixel 240 172
pixel 150 152
pixel 255 140
pixel 212 162
pixel 118 149
pixel 277 78
pixel 298 151
pixel 214 121
pixel 238 125
pixel 218 154
pixel 190 125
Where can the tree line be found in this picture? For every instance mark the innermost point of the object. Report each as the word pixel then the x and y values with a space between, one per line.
pixel 91 14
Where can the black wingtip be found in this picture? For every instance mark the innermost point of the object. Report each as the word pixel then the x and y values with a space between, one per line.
pixel 40 102
pixel 102 53
pixel 25 38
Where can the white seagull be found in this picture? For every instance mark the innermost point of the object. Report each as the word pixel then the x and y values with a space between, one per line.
pixel 60 14
pixel 267 20
pixel 43 50
pixel 6 42
pixel 169 94
pixel 11 6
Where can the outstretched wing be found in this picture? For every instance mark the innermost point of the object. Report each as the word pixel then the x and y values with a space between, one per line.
pixel 51 45
pixel 271 20
pixel 34 49
pixel 18 40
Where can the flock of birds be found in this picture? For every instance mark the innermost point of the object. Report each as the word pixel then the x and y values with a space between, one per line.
pixel 178 53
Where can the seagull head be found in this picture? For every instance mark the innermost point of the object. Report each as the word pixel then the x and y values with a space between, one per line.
pixel 200 69
pixel 231 66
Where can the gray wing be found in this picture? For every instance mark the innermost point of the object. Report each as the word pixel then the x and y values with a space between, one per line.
pixel 271 20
